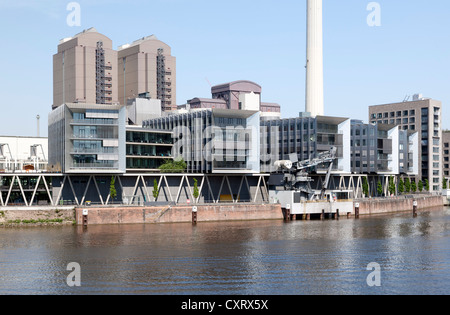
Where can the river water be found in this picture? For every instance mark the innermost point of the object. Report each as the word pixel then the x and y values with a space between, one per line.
pixel 234 258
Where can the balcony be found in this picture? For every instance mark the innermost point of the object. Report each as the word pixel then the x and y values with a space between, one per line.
pixel 95 121
pixel 82 151
pixel 91 166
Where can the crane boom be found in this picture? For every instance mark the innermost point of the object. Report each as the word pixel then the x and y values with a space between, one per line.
pixel 298 179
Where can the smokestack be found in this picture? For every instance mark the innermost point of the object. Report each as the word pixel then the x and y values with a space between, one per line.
pixel 314 59
pixel 37 118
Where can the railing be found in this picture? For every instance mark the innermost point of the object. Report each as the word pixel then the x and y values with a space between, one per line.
pixel 95 121
pixel 106 166
pixel 95 151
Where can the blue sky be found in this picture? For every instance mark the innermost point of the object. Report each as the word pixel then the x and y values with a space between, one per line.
pixel 217 42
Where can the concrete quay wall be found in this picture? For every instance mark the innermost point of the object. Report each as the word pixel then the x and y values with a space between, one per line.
pixel 178 214
pixel 398 204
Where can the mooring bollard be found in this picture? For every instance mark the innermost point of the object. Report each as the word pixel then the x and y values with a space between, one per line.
pixel 357 210
pixel 194 215
pixel 337 214
pixel 415 208
pixel 287 216
pixel 322 216
pixel 85 217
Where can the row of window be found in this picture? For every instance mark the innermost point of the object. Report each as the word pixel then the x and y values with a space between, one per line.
pixel 399 113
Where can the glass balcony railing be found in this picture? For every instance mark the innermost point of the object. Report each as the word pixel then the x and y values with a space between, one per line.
pixel 96 121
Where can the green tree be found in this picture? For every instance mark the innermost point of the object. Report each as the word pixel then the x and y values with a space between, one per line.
pixel 444 183
pixel 112 188
pixel 365 187
pixel 379 189
pixel 407 185
pixel 391 185
pixel 401 186
pixel 196 192
pixel 177 165
pixel 155 189
pixel 413 186
pixel 420 185
pixel 427 185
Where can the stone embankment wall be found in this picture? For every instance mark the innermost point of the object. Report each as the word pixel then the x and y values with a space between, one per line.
pixel 16 216
pixel 178 214
pixel 398 204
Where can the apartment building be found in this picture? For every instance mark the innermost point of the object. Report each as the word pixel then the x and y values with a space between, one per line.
pixel 214 141
pixel 446 155
pixel 85 70
pixel 146 66
pixel 87 138
pixel 304 138
pixel 383 149
pixel 423 115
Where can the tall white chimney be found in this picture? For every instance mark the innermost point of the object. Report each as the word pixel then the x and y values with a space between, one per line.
pixel 314 59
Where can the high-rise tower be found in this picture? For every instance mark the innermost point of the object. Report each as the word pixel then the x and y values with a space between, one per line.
pixel 85 70
pixel 146 66
pixel 314 59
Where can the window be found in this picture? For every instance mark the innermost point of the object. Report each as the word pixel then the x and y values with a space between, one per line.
pixel 405 113
pixel 412 112
pixel 424 111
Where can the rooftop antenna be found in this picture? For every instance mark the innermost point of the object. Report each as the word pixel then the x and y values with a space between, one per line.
pixel 210 85
pixel 406 99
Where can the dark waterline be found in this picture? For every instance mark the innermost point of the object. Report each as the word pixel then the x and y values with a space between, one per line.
pixel 258 257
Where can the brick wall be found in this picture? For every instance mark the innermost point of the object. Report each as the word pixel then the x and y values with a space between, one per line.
pixel 179 214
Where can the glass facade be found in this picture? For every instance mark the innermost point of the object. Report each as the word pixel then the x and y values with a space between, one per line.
pixel 88 138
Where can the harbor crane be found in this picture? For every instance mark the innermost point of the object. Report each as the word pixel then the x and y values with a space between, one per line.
pixel 297 178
